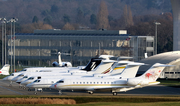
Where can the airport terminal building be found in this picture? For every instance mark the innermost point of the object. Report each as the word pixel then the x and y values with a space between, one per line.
pixel 41 47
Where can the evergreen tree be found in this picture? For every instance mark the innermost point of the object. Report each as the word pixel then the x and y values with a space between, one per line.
pixel 54 9
pixel 66 18
pixel 47 20
pixel 35 19
pixel 80 16
pixel 93 19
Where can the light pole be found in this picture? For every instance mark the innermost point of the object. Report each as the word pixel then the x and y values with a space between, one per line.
pixel 3 21
pixel 156 24
pixel 14 20
pixel 11 53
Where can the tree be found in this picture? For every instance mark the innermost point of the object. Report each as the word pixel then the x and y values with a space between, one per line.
pixel 29 28
pixel 35 19
pixel 126 19
pixel 93 19
pixel 102 17
pixel 66 18
pixel 68 26
pixel 54 9
pixel 80 16
pixel 47 20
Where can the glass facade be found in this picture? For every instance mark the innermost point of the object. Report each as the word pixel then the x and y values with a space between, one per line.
pixel 40 49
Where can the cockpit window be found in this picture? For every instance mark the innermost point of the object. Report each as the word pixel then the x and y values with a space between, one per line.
pixel 37 80
pixel 23 70
pixel 21 75
pixel 25 77
pixel 61 81
pixel 31 78
pixel 12 75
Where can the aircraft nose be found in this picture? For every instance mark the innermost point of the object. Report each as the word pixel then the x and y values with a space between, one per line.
pixel 53 86
pixel 29 85
pixel 6 78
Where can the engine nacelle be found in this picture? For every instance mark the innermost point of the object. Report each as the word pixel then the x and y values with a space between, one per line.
pixel 55 64
pixel 137 81
pixel 66 64
pixel 63 64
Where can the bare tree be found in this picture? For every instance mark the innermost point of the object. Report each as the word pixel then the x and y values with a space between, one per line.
pixel 68 26
pixel 102 17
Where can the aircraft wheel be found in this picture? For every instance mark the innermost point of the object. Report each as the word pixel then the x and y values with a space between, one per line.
pixel 60 93
pixel 35 93
pixel 91 93
pixel 114 93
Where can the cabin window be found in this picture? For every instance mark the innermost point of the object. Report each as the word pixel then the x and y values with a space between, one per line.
pixel 87 82
pixel 76 82
pixel 94 82
pixel 90 82
pixel 107 82
pixel 80 82
pixel 73 82
pixel 101 82
pixel 83 82
pixel 52 81
pixel 111 82
pixel 104 82
pixel 97 82
pixel 114 82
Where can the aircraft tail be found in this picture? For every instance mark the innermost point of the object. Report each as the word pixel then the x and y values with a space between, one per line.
pixel 5 70
pixel 104 67
pixel 118 67
pixel 149 77
pixel 154 72
pixel 131 70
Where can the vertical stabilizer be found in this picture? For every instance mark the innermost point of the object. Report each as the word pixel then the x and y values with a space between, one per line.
pixel 154 72
pixel 131 70
pixel 5 70
pixel 104 67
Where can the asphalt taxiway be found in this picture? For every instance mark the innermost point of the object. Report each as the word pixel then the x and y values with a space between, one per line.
pixel 5 89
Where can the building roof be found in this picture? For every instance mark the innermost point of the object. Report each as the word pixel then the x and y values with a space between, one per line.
pixel 164 58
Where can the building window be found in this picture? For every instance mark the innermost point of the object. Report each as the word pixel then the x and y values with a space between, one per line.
pixel 171 73
pixel 177 72
pixel 166 72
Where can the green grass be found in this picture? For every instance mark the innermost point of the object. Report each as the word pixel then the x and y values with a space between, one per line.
pixel 106 104
pixel 170 82
pixel 2 76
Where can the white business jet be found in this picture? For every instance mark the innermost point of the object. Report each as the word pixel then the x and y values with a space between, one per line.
pixel 5 70
pixel 115 85
pixel 90 66
pixel 61 64
pixel 47 82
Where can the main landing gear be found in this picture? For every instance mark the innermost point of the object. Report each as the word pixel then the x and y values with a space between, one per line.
pixel 90 92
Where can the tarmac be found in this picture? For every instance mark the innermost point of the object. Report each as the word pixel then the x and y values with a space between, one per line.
pixel 159 90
